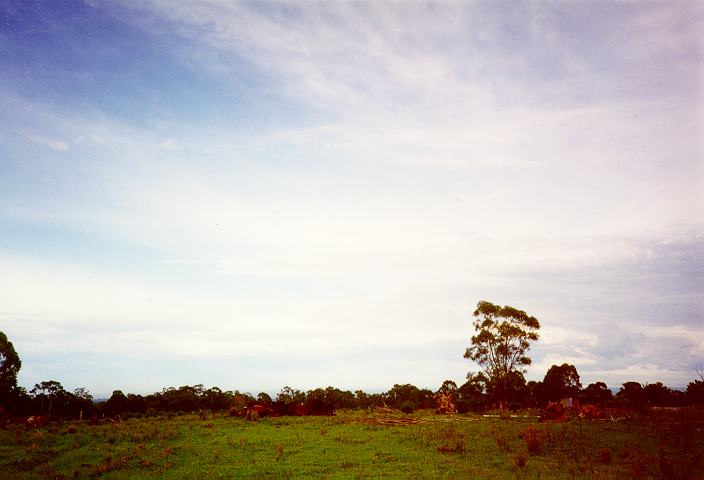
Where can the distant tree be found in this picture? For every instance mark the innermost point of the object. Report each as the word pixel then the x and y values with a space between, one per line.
pixel 471 393
pixel 631 394
pixel 136 403
pixel 291 395
pixel 184 399
pixel 408 397
pixel 362 399
pixel 507 391
pixel 448 387
pixel 21 402
pixel 9 366
pixel 48 393
pixel 531 394
pixel 678 398
pixel 658 395
pixel 561 381
pixel 321 400
pixel 264 398
pixel 116 404
pixel 83 394
pixel 241 400
pixel 597 394
pixel 318 394
pixel 695 392
pixel 503 336
pixel 215 399
pixel 426 399
pixel 339 398
pixel 75 404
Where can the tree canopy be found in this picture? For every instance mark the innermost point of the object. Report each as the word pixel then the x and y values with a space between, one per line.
pixel 561 381
pixel 503 336
pixel 597 394
pixel 9 366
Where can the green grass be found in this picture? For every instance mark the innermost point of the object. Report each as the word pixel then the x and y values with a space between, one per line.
pixel 354 445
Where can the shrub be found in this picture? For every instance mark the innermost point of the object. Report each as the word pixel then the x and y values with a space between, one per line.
pixel 501 440
pixel 591 412
pixel 407 407
pixel 520 459
pixel 452 440
pixel 553 412
pixel 533 438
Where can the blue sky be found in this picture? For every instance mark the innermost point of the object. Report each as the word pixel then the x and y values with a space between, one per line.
pixel 254 195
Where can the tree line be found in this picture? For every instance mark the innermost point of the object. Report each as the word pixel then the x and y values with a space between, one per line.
pixel 499 347
pixel 561 381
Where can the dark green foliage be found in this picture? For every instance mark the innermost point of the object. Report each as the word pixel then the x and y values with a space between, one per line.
pixel 291 395
pixel 631 395
pixel 471 394
pixel 216 399
pixel 264 399
pixel 410 396
pixel 507 390
pixel 695 392
pixel 406 407
pixel 116 404
pixel 561 381
pixel 658 395
pixel 9 366
pixel 597 394
pixel 532 394
pixel 332 398
pixel 448 387
pixel 503 336
pixel 50 398
pixel 49 393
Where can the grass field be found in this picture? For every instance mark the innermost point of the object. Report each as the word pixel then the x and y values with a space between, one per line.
pixel 358 445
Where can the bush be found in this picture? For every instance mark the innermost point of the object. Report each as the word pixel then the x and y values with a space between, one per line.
pixel 591 412
pixel 501 440
pixel 533 438
pixel 450 439
pixel 554 412
pixel 407 407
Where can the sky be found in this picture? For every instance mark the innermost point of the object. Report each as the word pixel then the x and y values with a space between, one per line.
pixel 258 194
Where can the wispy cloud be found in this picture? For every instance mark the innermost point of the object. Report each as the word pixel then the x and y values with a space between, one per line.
pixel 56 145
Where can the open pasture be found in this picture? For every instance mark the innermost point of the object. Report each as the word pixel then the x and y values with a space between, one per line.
pixel 354 444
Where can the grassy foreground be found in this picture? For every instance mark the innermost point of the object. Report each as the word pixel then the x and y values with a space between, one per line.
pixel 358 445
